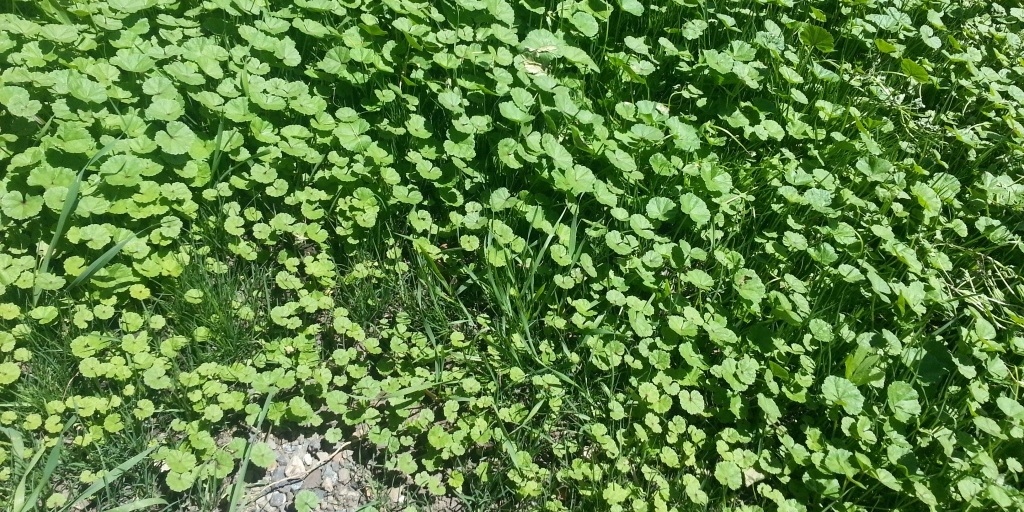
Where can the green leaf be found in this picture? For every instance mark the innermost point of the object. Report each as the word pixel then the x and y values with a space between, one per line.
pixel 915 71
pixel 684 135
pixel 749 286
pixel 633 7
pixel 84 89
pixel 1011 408
pixel 902 399
pixel 692 402
pixel 306 501
pixel 876 169
pixel 262 455
pixel 558 154
pixel 622 160
pixel 20 206
pixel 694 28
pixel 100 262
pixel 9 372
pixel 660 208
pixel 614 493
pixel 729 474
pixel 885 46
pixel 927 198
pixel 716 179
pixel 578 180
pixel 585 22
pixel 925 495
pixel 621 244
pixel 18 102
pixel 180 482
pixel 695 207
pixel 165 109
pixel 862 366
pixel 816 37
pixel 176 139
pixel 839 391
pixel 700 279
pixel 513 113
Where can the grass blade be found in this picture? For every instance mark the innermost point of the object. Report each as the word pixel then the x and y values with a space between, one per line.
pixel 239 486
pixel 17 503
pixel 51 465
pixel 139 505
pixel 70 203
pixel 100 262
pixel 109 478
pixel 20 502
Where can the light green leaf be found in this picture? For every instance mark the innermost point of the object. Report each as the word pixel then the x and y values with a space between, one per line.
pixel 716 179
pixel 9 372
pixel 902 399
pixel 622 160
pixel 577 179
pixel 585 22
pixel 176 139
pixel 693 29
pixel 633 7
pixel 614 493
pixel 513 113
pixel 1010 407
pixel 180 482
pixel 306 501
pixel 729 474
pixel 262 455
pixel 18 102
pixel 86 90
pixel 862 367
pixel 749 286
pixel 20 206
pixel 556 151
pixel 695 207
pixel 660 208
pixel 165 109
pixel 839 391
pixel 684 135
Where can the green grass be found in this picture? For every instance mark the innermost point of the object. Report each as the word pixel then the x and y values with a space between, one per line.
pixel 655 255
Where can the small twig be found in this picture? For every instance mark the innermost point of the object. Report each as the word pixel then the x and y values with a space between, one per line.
pixel 268 488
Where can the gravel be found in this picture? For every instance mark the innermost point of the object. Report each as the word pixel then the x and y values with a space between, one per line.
pixel 306 463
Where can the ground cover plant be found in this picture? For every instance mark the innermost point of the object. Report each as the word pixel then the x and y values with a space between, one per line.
pixel 590 254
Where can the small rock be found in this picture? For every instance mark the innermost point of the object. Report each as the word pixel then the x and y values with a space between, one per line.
pixel 295 468
pixel 314 479
pixel 277 499
pixel 396 495
pixel 342 456
pixel 328 478
pixel 344 475
pixel 262 502
pixel 322 456
pixel 348 498
pixel 307 459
